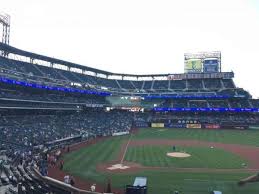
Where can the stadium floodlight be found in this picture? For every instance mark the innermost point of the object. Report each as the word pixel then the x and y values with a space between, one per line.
pixel 5 23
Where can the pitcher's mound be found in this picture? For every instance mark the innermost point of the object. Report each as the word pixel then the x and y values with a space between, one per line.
pixel 178 154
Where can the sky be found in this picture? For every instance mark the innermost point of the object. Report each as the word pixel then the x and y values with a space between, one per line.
pixel 140 36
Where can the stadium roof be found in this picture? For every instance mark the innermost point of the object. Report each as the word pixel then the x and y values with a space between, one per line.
pixel 13 50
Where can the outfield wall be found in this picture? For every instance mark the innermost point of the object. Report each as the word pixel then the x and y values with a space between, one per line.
pixel 192 125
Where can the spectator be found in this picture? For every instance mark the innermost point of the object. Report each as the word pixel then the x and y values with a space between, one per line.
pixel 93 187
pixel 67 179
pixel 72 181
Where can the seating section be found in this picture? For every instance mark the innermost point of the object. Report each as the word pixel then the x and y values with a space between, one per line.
pixel 20 93
pixel 51 72
pixel 70 76
pixel 21 178
pixel 138 84
pixel 194 84
pixel 203 118
pixel 161 84
pixel 21 96
pixel 176 88
pixel 126 84
pixel 212 83
pixel 108 83
pixel 255 103
pixel 234 104
pixel 24 129
pixel 180 104
pixel 228 83
pixel 48 74
pixel 19 66
pixel 177 84
pixel 227 92
pixel 147 85
pixel 198 104
pixel 218 104
pixel 243 93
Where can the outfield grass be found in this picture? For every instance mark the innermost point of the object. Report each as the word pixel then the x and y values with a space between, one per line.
pixel 82 163
pixel 201 157
pixel 244 137
pixel 162 182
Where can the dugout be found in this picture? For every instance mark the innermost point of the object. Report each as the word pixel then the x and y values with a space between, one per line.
pixel 139 186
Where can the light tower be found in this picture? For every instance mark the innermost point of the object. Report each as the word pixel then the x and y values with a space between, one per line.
pixel 5 23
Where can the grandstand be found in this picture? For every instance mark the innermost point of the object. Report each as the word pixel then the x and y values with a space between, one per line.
pixel 67 100
pixel 41 73
pixel 48 104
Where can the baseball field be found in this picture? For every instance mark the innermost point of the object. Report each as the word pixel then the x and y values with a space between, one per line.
pixel 216 160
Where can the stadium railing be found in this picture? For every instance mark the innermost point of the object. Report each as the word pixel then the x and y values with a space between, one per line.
pixel 61 185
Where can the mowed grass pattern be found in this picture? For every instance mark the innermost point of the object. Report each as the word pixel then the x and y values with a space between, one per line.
pixel 201 157
pixel 244 137
pixel 82 163
pixel 165 182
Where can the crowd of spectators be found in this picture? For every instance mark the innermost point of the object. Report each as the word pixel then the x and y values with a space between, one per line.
pixel 26 137
pixel 22 171
pixel 34 130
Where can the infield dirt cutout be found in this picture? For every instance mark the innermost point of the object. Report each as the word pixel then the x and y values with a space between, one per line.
pixel 178 155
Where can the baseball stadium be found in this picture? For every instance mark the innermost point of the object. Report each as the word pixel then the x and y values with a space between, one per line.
pixel 68 128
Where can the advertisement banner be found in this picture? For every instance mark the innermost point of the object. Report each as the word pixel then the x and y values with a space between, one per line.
pixel 158 125
pixel 210 65
pixel 141 124
pixel 212 126
pixel 120 133
pixel 193 66
pixel 193 126
pixel 175 125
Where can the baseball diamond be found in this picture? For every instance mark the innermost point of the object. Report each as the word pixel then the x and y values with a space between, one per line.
pixel 215 161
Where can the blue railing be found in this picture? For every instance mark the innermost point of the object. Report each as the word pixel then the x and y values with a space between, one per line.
pixel 179 96
pixel 39 86
pixel 158 109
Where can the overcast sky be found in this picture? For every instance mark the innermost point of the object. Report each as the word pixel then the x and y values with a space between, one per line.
pixel 140 36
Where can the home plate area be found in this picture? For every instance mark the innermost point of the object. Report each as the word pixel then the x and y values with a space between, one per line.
pixel 118 167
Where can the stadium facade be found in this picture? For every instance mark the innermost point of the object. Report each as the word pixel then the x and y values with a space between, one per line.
pixel 203 93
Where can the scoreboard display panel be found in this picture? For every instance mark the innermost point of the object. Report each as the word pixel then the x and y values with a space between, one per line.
pixel 210 65
pixel 193 66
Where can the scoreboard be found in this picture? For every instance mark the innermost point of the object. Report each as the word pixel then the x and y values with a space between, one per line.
pixel 210 65
pixel 203 62
pixel 194 66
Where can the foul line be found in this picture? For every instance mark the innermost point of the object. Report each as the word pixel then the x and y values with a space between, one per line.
pixel 122 159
